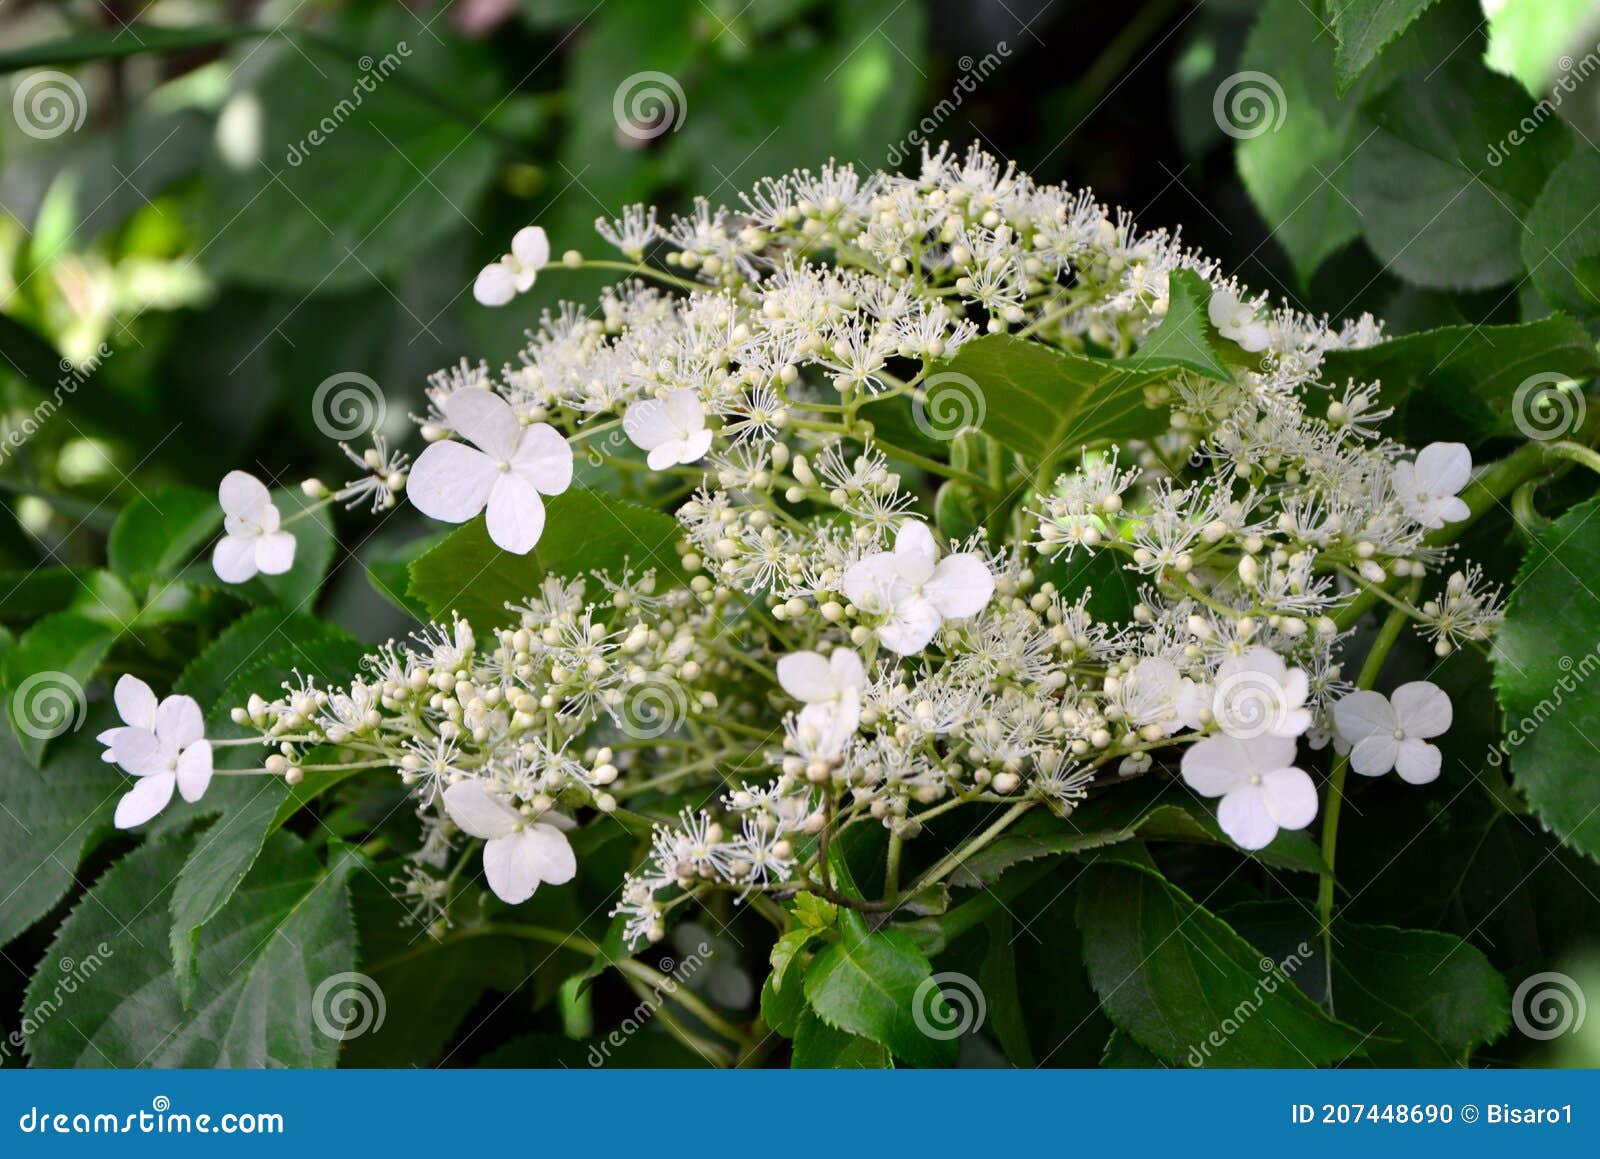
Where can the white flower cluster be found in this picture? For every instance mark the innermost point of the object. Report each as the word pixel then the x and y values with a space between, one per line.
pixel 889 668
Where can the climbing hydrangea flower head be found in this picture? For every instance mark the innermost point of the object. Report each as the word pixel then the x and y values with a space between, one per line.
pixel 818 611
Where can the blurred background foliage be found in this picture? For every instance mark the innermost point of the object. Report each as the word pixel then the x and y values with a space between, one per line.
pixel 181 265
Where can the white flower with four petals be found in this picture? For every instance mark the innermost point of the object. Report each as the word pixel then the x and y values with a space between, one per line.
pixel 1429 488
pixel 163 744
pixel 1237 322
pixel 519 854
pixel 515 272
pixel 1261 789
pixel 1392 732
pixel 671 429
pixel 252 540
pixel 915 591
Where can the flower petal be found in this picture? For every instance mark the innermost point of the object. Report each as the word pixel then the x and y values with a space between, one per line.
pixel 516 514
pixel 451 481
pixel 1418 762
pixel 910 628
pixel 234 559
pixel 961 585
pixel 1443 468
pixel 1291 797
pixel 1422 708
pixel 1244 817
pixel 696 446
pixel 1362 714
pixel 647 424
pixel 495 285
pixel 511 865
pixel 531 247
pixel 479 813
pixel 179 722
pixel 544 459
pixel 684 411
pixel 275 553
pixel 806 676
pixel 551 853
pixel 194 770
pixel 142 802
pixel 136 703
pixel 484 418
pixel 915 551
pixel 870 582
pixel 1214 766
pixel 242 494
pixel 849 674
pixel 664 455
pixel 1373 756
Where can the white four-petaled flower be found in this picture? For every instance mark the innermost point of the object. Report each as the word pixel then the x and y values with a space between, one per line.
pixel 506 470
pixel 519 855
pixel 252 540
pixel 671 429
pixel 1261 789
pixel 1237 322
pixel 1429 488
pixel 830 687
pixel 163 744
pixel 515 272
pixel 914 590
pixel 1391 732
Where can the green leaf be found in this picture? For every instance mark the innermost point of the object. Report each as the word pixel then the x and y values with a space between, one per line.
pixel 28 595
pixel 818 1046
pixel 46 673
pixel 1170 973
pixel 1528 37
pixel 1542 676
pixel 1460 382
pixel 52 818
pixel 389 572
pixel 244 644
pixel 785 949
pixel 1042 403
pixel 401 162
pixel 160 530
pixel 781 1006
pixel 1365 28
pixel 1562 241
pixel 1123 1053
pixel 869 983
pixel 584 531
pixel 296 588
pixel 1442 197
pixel 266 967
pixel 1183 339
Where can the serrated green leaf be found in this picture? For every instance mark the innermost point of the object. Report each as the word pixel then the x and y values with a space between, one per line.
pixel 1552 709
pixel 785 949
pixel 158 531
pixel 1183 339
pixel 815 913
pixel 818 1046
pixel 1563 238
pixel 242 645
pixel 51 818
pixel 866 984
pixel 47 673
pixel 1042 403
pixel 584 531
pixel 1365 28
pixel 287 932
pixel 313 532
pixel 1170 973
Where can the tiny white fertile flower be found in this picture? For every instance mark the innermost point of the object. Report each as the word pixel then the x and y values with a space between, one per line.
pixel 830 687
pixel 672 429
pixel 1428 488
pixel 515 272
pixel 251 540
pixel 163 744
pixel 915 590
pixel 1257 694
pixel 1261 790
pixel 519 855
pixel 1390 732
pixel 1236 321
pixel 506 471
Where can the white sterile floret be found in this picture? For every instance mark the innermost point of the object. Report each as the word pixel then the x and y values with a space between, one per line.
pixel 1257 694
pixel 671 429
pixel 515 272
pixel 1236 321
pixel 506 470
pixel 1429 488
pixel 1261 789
pixel 1391 732
pixel 163 744
pixel 519 854
pixel 914 591
pixel 830 687
pixel 252 540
